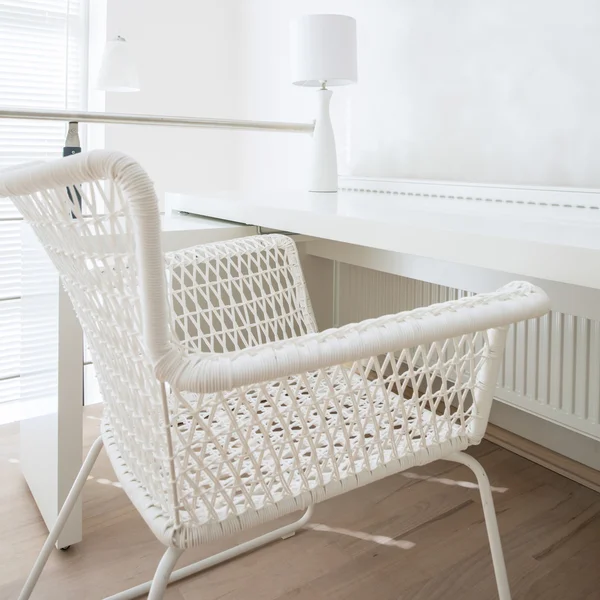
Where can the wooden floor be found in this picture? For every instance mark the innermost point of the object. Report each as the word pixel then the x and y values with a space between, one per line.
pixel 418 535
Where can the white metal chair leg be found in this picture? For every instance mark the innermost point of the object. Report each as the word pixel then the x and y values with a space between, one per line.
pixel 215 559
pixel 163 572
pixel 491 522
pixel 63 515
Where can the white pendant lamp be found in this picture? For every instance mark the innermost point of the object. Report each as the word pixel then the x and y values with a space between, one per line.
pixel 323 50
pixel 118 72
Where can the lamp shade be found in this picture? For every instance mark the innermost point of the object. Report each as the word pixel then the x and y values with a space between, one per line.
pixel 118 71
pixel 323 49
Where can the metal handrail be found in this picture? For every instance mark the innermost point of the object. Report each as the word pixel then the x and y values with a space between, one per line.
pixel 164 120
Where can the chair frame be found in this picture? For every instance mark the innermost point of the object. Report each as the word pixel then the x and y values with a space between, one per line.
pixel 165 573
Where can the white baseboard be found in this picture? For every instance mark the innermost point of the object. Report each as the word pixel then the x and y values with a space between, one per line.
pixel 563 451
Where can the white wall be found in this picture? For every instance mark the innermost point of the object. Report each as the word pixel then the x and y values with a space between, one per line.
pixel 188 66
pixel 499 91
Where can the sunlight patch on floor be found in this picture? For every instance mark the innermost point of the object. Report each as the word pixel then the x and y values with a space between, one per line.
pixel 361 535
pixel 103 481
pixel 466 484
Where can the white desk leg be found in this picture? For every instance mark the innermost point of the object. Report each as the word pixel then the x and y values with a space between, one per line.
pixel 51 390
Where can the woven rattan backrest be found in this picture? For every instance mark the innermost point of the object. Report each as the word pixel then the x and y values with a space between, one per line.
pixel 90 213
pixel 237 294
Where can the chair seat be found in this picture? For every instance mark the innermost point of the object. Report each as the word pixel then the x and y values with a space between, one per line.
pixel 282 446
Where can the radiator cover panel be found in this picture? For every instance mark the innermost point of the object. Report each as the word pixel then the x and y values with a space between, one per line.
pixel 551 365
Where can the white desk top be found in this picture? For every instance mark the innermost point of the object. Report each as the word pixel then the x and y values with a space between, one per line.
pixel 547 242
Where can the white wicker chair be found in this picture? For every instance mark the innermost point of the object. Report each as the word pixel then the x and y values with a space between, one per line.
pixel 224 407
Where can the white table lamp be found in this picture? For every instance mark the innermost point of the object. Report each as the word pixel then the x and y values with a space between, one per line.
pixel 118 72
pixel 323 50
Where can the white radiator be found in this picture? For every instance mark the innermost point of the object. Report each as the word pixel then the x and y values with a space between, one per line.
pixel 551 366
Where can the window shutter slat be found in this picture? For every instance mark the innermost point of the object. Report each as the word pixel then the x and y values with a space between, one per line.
pixel 42 48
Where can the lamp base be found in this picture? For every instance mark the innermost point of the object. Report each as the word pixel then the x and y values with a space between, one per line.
pixel 324 175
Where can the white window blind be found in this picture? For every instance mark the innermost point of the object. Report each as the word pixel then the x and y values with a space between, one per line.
pixel 43 57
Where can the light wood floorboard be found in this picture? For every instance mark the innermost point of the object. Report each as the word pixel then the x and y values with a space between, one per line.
pixel 414 536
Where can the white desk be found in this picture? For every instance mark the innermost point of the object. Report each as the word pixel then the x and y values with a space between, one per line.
pixel 52 380
pixel 469 237
pixel 546 242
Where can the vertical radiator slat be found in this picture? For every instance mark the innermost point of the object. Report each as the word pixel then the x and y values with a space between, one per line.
pixel 543 363
pixel 568 364
pixel 509 359
pixel 403 293
pixel 594 384
pixel 531 358
pixel 556 352
pixel 582 367
pixel 521 343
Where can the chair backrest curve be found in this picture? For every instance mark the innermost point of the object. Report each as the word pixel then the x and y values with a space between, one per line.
pixel 96 216
pixel 141 206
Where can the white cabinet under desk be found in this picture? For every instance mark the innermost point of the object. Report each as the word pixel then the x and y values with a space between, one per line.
pixel 424 242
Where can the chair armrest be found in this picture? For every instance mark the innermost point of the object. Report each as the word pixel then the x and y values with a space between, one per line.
pixel 208 373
